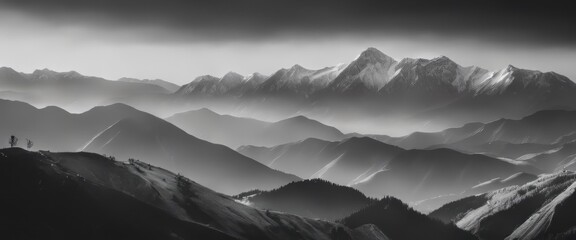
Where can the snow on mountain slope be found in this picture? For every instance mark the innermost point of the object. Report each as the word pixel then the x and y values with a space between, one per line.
pixel 371 70
pixel 421 74
pixel 298 80
pixel 506 209
pixel 540 222
pixel 187 210
pixel 207 86
pixel 90 197
pixel 513 79
pixel 249 84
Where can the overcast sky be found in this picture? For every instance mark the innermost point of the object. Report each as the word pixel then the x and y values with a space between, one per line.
pixel 179 40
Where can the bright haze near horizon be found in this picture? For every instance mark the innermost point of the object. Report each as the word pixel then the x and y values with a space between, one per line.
pixel 180 40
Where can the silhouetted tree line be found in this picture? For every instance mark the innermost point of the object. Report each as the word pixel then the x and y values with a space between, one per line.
pixel 453 211
pixel 248 193
pixel 13 141
pixel 184 184
pixel 398 221
pixel 137 162
pixel 318 187
pixel 313 198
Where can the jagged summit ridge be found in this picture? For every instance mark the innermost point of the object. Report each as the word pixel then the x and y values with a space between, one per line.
pixel 377 73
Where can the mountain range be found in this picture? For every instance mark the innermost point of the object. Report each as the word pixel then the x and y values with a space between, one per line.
pixel 426 179
pixel 94 196
pixel 539 132
pixel 74 91
pixel 236 131
pixel 343 162
pixel 125 132
pixel 373 93
pixel 427 94
pixel 158 142
pixel 354 151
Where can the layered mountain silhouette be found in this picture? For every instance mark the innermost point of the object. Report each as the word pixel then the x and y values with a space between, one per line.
pixel 426 179
pixel 563 157
pixel 55 129
pixel 158 142
pixel 236 131
pixel 86 195
pixel 539 132
pixel 540 209
pixel 347 162
pixel 315 198
pixel 434 203
pixel 124 132
pixel 171 87
pixel 73 90
pixel 418 175
pixel 373 93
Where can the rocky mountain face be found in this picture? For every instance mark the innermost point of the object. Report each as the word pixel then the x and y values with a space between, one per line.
pixel 539 209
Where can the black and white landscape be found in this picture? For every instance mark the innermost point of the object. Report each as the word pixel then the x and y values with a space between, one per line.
pixel 281 120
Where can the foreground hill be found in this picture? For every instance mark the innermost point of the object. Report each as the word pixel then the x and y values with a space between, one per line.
pixel 89 196
pixel 313 198
pixel 541 209
pixel 235 131
pixel 45 199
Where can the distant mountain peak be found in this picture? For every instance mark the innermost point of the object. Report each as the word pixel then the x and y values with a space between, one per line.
pixel 372 54
pixel 298 70
pixel 297 67
pixel 232 78
pixel 298 118
pixel 511 67
pixel 444 59
pixel 232 74
pixel 205 78
pixel 205 110
pixel 7 69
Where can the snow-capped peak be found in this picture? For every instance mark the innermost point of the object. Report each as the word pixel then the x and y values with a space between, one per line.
pixel 231 77
pixel 373 69
pixel 374 55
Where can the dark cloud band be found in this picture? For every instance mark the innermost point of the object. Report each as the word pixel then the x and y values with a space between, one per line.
pixel 513 20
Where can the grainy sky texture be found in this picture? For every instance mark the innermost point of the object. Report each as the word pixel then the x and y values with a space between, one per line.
pixel 179 40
